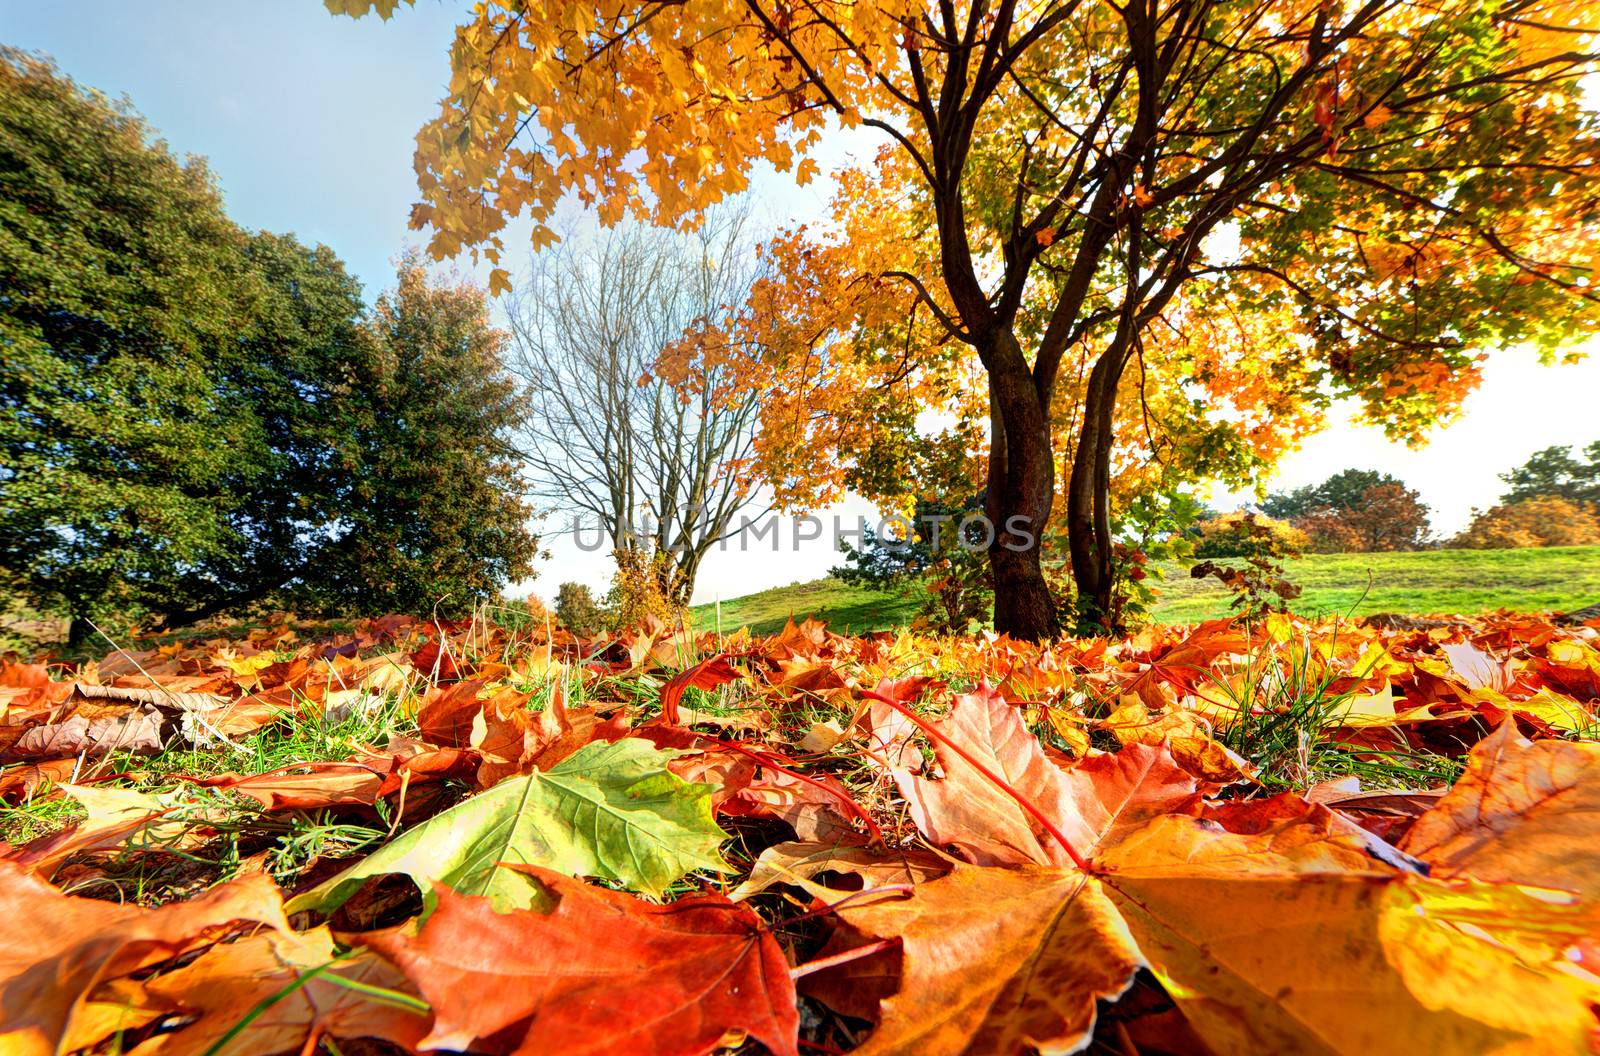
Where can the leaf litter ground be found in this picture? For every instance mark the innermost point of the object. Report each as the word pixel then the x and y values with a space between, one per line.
pixel 487 837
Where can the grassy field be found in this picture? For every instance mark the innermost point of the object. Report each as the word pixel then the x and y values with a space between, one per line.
pixel 1435 581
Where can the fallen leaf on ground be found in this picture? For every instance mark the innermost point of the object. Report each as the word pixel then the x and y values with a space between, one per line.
pixel 212 995
pixel 612 811
pixel 707 674
pixel 48 968
pixel 1100 799
pixel 994 960
pixel 1524 812
pixel 603 973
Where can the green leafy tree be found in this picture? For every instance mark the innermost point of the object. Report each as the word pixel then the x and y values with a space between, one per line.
pixel 434 518
pixel 944 552
pixel 1342 491
pixel 193 418
pixel 305 372
pixel 121 277
pixel 1555 472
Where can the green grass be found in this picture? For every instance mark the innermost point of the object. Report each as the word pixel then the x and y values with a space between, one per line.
pixel 1459 582
pixel 847 609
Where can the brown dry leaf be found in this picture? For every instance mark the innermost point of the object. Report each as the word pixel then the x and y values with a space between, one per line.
pixel 306 786
pixel 1093 804
pixel 707 674
pixel 603 973
pixel 507 735
pixel 154 695
pixel 247 714
pixel 228 981
pixel 1525 811
pixel 447 713
pixel 18 782
pixel 800 862
pixel 132 731
pixel 818 808
pixel 46 972
pixel 993 960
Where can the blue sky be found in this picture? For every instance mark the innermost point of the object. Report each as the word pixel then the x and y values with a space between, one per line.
pixel 308 122
pixel 306 119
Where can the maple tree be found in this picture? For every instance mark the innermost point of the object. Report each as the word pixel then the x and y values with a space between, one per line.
pixel 1257 206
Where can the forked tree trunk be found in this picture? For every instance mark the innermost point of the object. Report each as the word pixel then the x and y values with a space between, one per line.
pixel 1089 496
pixel 1020 492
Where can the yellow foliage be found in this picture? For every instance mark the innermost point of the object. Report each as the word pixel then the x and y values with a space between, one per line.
pixel 1550 521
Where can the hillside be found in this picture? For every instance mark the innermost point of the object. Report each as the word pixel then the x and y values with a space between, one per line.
pixel 1434 581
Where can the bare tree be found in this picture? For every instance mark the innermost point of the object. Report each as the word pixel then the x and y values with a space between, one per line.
pixel 606 438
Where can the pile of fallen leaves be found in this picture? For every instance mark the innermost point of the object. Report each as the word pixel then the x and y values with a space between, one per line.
pixel 664 843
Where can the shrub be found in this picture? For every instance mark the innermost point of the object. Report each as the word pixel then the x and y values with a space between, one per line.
pixel 1546 521
pixel 641 589
pixel 1242 534
pixel 578 611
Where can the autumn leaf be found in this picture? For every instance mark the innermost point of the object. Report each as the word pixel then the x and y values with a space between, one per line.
pixel 114 818
pixel 294 988
pixel 1524 812
pixel 612 811
pixel 46 972
pixel 134 731
pixel 994 961
pixel 799 862
pixel 603 973
pixel 707 674
pixel 1184 733
pixel 306 786
pixel 1268 951
pixel 1098 801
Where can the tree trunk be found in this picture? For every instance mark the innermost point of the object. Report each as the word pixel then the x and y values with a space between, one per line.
pixel 1089 497
pixel 1020 492
pixel 78 631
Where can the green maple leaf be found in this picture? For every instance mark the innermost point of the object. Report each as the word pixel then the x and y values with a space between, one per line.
pixel 611 811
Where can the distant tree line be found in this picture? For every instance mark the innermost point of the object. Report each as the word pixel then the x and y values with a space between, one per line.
pixel 1553 499
pixel 195 418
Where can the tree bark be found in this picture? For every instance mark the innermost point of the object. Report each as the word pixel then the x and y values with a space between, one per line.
pixel 1020 493
pixel 1089 495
